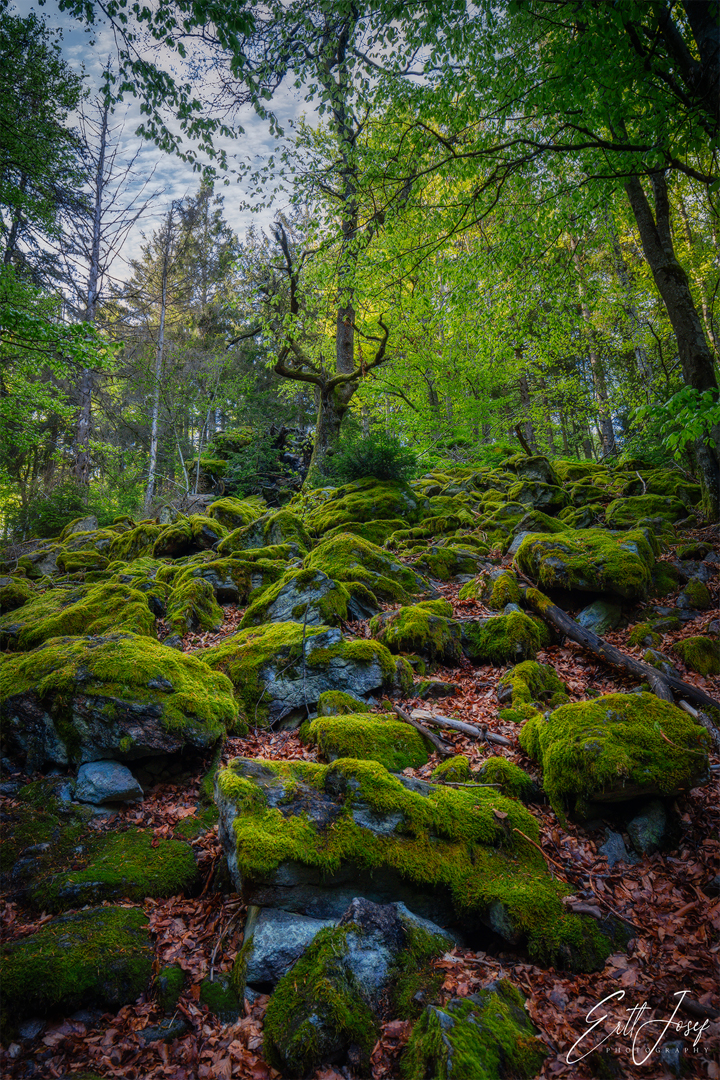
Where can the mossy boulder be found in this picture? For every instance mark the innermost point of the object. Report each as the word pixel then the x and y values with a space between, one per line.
pixel 444 562
pixel 77 610
pixel 14 592
pixel 529 682
pixel 377 532
pixel 221 998
pixel 80 562
pixel 348 558
pixel 280 670
pixel 231 579
pixel 134 543
pixel 589 560
pixel 614 749
pixel 485 1036
pixel 169 984
pixel 274 528
pixel 456 770
pixel 545 497
pixel 192 606
pixel 501 589
pixel 187 535
pixel 695 550
pixel 306 596
pixel 699 653
pixel 101 957
pixel 236 513
pixel 394 744
pixel 315 836
pixel 366 500
pixel 533 467
pixel 423 629
pixel 337 703
pixel 120 696
pixel 695 596
pixel 628 513
pixel 510 779
pixel 504 639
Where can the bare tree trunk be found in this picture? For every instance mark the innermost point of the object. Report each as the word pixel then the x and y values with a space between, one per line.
pixel 526 402
pixel 672 283
pixel 152 464
pixel 644 367
pixel 607 435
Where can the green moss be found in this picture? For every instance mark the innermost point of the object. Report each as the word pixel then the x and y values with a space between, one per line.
pixel 197 824
pixel 665 579
pixel 698 595
pixel 626 513
pixel 701 654
pixel 39 818
pixel 394 744
pixel 277 527
pixel 131 865
pixel 14 595
pixel 324 600
pixel 135 542
pixel 531 681
pixel 236 513
pixel 456 770
pixel 337 703
pixel 77 562
pixel 365 500
pixel 451 838
pixel 99 957
pixel 414 981
pixel 317 1007
pixel 418 629
pixel 79 610
pixel 195 533
pixel 612 749
pixel 377 532
pixel 591 560
pixel 487 1036
pixel 346 557
pixel 169 983
pixel 503 639
pixel 643 634
pixel 695 550
pixel 192 606
pixel 221 998
pixel 504 590
pixel 513 781
pixel 192 701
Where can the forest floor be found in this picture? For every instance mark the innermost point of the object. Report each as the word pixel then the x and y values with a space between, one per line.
pixel 667 978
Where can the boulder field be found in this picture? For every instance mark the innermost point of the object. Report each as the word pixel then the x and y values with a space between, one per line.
pixel 273 661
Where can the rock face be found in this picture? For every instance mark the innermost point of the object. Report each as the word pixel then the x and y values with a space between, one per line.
pixel 486 1036
pixel 120 696
pixel 280 670
pixel 612 750
pixel 99 958
pixel 106 781
pixel 589 560
pixel 304 837
pixel 272 941
pixel 306 596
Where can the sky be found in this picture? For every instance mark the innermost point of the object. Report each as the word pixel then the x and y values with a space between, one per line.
pixel 89 52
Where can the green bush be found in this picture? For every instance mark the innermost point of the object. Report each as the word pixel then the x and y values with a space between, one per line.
pixel 252 467
pixel 47 513
pixel 378 454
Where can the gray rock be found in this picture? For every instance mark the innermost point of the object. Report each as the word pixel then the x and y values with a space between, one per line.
pixel 166 1031
pixel 661 662
pixel 600 617
pixel 295 599
pixel 174 641
pixel 273 941
pixel 510 608
pixel 672 1055
pixel 86 524
pixel 615 850
pixel 517 541
pixel 30 1029
pixel 106 781
pixel 647 829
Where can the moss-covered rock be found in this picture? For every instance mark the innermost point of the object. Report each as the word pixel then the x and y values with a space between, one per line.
pixel 642 634
pixel 14 592
pixel 131 865
pixel 445 562
pixel 187 535
pixel 307 596
pixel 169 983
pixel 394 744
pixel 510 779
pixel 232 580
pixel 628 513
pixel 456 770
pixel 192 606
pixel 349 558
pixel 377 532
pixel 365 500
pixel 695 550
pixel 79 562
pixel 236 513
pixel 275 676
pixel 530 681
pixel 701 654
pixel 590 516
pixel 696 595
pixel 274 528
pixel 325 834
pixel 135 542
pixel 504 589
pixel 423 628
pixel 533 467
pixel 221 998
pixel 546 497
pixel 78 610
pixel 100 957
pixel 337 703
pixel 504 639
pixel 590 560
pixel 486 1036
pixel 665 579
pixel 612 750
pixel 120 696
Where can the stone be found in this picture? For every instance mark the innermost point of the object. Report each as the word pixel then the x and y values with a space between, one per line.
pixel 306 596
pixel 273 940
pixel 221 998
pixel 106 781
pixel 589 560
pixel 30 1029
pixel 615 851
pixel 600 616
pixel 647 829
pixel 166 1031
pixel 672 1056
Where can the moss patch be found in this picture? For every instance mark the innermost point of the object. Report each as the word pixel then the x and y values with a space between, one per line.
pixel 14 595
pixel 394 744
pixel 365 500
pixel 346 557
pixel 302 595
pixel 336 703
pixel 236 513
pixel 456 770
pixel 626 513
pixel 169 984
pixel 701 654
pixel 530 681
pixel 192 606
pixel 423 629
pixel 511 779
pixel 590 560
pixel 504 638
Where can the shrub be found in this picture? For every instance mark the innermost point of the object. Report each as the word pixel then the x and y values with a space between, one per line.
pixel 378 455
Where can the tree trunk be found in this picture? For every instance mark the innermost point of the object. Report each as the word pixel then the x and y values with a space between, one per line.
pixel 526 403
pixel 331 410
pixel 152 464
pixel 696 357
pixel 607 435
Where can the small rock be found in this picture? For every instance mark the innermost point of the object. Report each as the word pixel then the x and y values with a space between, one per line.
pixel 672 1055
pixel 600 617
pixel 615 850
pixel 30 1029
pixel 647 829
pixel 166 1031
pixel 221 999
pixel 174 641
pixel 10 787
pixel 510 608
pixel 273 941
pixel 106 781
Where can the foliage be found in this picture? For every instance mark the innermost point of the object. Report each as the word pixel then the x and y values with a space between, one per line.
pixel 377 454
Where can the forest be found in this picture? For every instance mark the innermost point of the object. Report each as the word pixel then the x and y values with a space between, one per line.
pixel 359 539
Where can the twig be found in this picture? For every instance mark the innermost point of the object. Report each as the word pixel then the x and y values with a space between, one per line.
pixel 442 748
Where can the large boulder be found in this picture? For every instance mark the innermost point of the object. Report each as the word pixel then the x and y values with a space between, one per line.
pixel 308 838
pixel 230 579
pixel 351 559
pixel 188 535
pixel 485 1036
pixel 628 513
pixel 272 941
pixel 366 500
pixel 589 560
pixel 235 513
pixel 101 957
pixel 426 629
pixel 504 639
pixel 614 749
pixel 121 696
pixel 273 528
pixel 280 670
pixel 307 596
pixel 96 609
pixel 545 497
pixel 394 744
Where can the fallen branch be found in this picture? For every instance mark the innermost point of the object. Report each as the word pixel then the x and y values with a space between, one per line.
pixel 442 748
pixel 459 725
pixel 661 685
